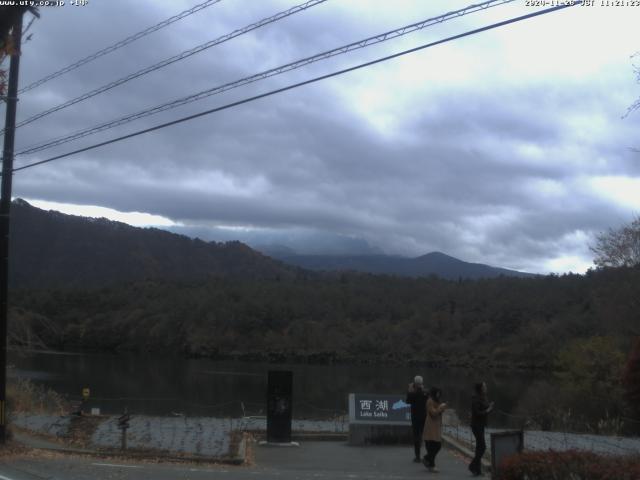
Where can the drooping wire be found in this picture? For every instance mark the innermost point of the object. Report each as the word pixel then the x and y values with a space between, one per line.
pixel 263 75
pixel 175 58
pixel 300 84
pixel 120 44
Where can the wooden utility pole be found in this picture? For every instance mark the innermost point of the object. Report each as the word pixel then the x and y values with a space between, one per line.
pixel 5 209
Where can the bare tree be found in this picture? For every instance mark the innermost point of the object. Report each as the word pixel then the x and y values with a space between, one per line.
pixel 636 68
pixel 618 248
pixel 8 18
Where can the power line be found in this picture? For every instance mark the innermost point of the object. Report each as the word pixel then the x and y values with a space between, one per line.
pixel 120 44
pixel 263 75
pixel 300 84
pixel 175 58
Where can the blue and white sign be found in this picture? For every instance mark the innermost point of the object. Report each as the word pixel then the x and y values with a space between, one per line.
pixel 379 409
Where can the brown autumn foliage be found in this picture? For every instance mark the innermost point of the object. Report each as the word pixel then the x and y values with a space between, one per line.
pixel 631 378
pixel 572 464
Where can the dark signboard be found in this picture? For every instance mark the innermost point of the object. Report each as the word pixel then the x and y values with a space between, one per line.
pixel 376 408
pixel 279 400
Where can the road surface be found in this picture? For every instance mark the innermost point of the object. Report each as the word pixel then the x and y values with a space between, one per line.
pixel 310 461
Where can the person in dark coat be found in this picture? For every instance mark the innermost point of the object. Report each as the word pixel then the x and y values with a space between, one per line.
pixel 417 398
pixel 480 408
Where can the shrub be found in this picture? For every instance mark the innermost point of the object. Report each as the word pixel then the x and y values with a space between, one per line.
pixel 569 465
pixel 25 396
pixel 631 378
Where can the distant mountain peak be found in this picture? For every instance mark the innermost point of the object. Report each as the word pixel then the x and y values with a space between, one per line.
pixel 21 203
pixel 432 263
pixel 436 254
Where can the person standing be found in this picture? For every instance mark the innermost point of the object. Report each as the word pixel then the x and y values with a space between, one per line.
pixel 417 398
pixel 480 409
pixel 433 428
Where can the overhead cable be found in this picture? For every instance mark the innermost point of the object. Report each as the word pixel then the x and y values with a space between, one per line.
pixel 175 58
pixel 120 44
pixel 300 84
pixel 263 75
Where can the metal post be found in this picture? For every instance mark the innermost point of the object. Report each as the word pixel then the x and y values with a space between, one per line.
pixel 123 442
pixel 5 208
pixel 123 424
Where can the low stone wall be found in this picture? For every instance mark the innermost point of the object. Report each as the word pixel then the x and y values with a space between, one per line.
pixel 214 437
pixel 191 436
pixel 51 425
pixel 559 441
pixel 194 436
pixel 208 437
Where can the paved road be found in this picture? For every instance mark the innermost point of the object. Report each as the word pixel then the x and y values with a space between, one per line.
pixel 311 461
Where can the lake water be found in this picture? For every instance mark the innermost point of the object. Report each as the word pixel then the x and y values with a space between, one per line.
pixel 164 385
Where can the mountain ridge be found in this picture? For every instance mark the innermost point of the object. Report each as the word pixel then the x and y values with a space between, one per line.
pixel 432 263
pixel 49 248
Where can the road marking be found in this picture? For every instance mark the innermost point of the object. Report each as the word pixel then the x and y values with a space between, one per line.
pixel 248 374
pixel 114 465
pixel 205 470
pixel 2 477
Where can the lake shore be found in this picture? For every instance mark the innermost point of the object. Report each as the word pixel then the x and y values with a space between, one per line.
pixel 213 437
pixel 314 358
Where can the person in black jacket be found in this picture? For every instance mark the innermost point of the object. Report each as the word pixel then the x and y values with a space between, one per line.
pixel 480 408
pixel 417 398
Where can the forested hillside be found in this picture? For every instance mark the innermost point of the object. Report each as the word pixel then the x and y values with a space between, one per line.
pixel 49 248
pixel 502 321
pixel 54 249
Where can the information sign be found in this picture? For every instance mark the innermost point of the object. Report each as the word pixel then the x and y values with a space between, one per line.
pixel 367 408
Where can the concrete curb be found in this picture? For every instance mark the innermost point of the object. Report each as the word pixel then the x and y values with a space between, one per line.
pixel 39 444
pixel 314 437
pixel 456 445
pixel 309 437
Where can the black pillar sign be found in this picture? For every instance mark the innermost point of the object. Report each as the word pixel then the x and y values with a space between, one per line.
pixel 279 399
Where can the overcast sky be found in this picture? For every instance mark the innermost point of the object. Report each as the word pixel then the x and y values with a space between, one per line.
pixel 506 148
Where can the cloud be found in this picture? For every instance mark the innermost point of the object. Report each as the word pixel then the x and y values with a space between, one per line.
pixel 137 219
pixel 496 149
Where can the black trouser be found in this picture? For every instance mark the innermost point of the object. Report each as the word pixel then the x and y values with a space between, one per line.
pixel 432 450
pixel 417 425
pixel 478 433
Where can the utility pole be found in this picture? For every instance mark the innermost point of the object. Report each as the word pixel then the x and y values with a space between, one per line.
pixel 5 209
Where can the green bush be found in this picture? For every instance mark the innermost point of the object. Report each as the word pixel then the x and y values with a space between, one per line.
pixel 569 465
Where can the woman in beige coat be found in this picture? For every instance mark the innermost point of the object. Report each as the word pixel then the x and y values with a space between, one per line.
pixel 433 428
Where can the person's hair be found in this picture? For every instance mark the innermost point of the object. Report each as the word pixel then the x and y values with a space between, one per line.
pixel 434 393
pixel 477 387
